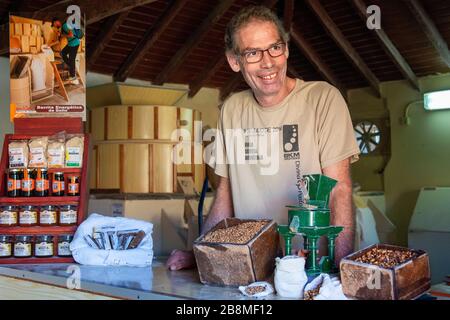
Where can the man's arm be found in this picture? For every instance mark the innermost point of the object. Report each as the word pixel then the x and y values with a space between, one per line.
pixel 221 208
pixel 341 205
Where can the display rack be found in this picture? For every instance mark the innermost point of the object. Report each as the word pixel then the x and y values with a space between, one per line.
pixel 26 128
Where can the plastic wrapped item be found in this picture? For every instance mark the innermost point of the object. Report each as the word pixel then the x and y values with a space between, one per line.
pixel 323 287
pixel 257 289
pixel 85 247
pixel 18 154
pixel 74 151
pixel 290 276
pixel 56 151
pixel 38 152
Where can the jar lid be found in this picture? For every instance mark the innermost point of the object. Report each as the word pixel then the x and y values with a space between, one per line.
pixel 9 208
pixel 42 169
pixel 69 207
pixel 44 238
pixel 14 170
pixel 28 207
pixel 49 207
pixel 5 238
pixel 65 237
pixel 58 173
pixel 24 238
pixel 30 169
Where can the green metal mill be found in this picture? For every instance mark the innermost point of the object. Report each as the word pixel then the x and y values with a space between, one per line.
pixel 312 221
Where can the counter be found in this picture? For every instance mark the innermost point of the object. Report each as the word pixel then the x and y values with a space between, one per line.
pixel 155 282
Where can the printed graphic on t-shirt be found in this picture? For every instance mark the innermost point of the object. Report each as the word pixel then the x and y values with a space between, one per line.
pixel 290 142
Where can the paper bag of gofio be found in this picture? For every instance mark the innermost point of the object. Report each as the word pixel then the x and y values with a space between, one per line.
pixel 74 151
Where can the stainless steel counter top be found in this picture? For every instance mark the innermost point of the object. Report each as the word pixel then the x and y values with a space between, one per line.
pixel 155 282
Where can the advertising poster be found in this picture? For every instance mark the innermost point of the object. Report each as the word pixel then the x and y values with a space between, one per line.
pixel 47 65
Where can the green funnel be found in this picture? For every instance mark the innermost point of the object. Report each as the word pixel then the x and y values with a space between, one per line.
pixel 319 187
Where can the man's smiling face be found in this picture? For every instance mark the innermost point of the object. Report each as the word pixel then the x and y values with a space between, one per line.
pixel 267 78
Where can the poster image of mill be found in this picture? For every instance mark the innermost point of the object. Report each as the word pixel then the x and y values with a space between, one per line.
pixel 47 67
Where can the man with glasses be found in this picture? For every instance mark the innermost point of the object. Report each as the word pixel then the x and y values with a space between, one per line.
pixel 282 128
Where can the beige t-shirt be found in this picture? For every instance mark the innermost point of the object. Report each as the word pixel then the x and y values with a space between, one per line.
pixel 266 151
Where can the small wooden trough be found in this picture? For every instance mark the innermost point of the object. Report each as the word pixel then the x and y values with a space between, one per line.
pixel 405 281
pixel 230 264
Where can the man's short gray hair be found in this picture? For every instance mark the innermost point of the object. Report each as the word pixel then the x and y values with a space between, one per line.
pixel 246 15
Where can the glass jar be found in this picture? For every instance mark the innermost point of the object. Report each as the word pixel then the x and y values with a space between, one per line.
pixel 23 246
pixel 42 183
pixel 28 182
pixel 14 182
pixel 9 216
pixel 73 186
pixel 64 241
pixel 68 215
pixel 6 244
pixel 58 186
pixel 28 216
pixel 43 246
pixel 48 215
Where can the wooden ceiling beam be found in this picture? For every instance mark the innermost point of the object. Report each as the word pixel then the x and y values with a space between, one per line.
pixel 180 57
pixel 344 44
pixel 430 29
pixel 300 42
pixel 389 46
pixel 148 40
pixel 215 64
pixel 107 31
pixel 94 10
pixel 288 14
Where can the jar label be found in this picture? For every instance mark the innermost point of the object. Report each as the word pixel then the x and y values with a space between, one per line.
pixel 68 217
pixel 58 186
pixel 44 249
pixel 22 249
pixel 47 217
pixel 74 188
pixel 28 185
pixel 14 184
pixel 16 158
pixel 64 249
pixel 8 217
pixel 42 184
pixel 5 249
pixel 28 217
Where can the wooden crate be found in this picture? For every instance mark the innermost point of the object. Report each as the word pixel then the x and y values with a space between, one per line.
pixel 370 282
pixel 229 264
pixel 26 128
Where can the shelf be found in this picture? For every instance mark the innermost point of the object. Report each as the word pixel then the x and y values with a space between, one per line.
pixel 38 230
pixel 39 200
pixel 34 260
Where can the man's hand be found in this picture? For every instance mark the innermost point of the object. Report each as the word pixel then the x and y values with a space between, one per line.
pixel 181 259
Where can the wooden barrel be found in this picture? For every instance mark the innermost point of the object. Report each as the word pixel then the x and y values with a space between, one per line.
pixel 20 91
pixel 134 147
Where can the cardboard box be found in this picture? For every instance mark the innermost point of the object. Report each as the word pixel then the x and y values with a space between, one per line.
pixel 25 44
pixel 26 29
pixel 32 41
pixel 18 29
pixel 371 282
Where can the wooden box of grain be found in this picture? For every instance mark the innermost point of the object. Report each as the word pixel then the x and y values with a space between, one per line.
pixel 235 264
pixel 367 281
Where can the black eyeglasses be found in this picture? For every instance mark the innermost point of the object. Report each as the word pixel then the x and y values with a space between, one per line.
pixel 256 55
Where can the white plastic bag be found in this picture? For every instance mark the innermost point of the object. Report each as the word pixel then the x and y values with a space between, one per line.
pixel 38 74
pixel 330 288
pixel 268 289
pixel 84 254
pixel 290 276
